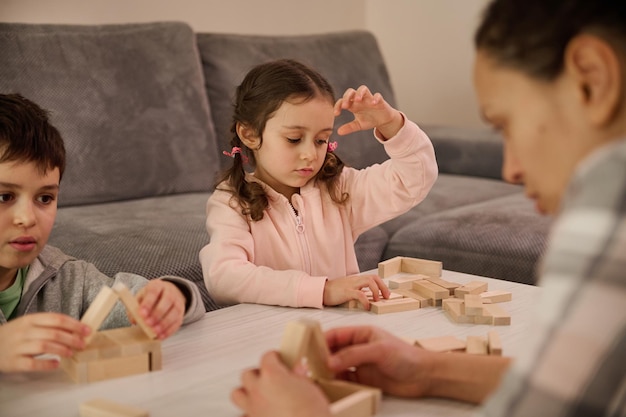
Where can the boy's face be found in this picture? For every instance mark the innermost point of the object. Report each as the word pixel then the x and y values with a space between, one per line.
pixel 294 146
pixel 28 206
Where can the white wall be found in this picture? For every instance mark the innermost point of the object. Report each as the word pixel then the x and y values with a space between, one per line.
pixel 427 44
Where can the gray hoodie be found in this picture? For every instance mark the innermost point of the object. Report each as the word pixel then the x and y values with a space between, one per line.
pixel 61 284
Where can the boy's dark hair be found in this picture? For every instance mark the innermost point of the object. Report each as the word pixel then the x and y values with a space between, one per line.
pixel 257 98
pixel 531 35
pixel 26 135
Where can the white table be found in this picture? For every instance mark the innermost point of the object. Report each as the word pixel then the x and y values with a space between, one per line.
pixel 203 361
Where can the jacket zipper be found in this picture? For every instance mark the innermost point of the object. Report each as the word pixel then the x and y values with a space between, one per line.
pixel 302 238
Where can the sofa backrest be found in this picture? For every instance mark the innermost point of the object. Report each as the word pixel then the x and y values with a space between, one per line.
pixel 128 99
pixel 345 59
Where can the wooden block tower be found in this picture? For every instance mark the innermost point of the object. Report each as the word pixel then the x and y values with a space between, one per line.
pixel 117 352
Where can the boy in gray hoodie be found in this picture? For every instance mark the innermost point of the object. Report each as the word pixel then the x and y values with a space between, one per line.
pixel 43 292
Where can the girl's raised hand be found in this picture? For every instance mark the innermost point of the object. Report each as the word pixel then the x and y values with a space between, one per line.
pixel 370 111
pixel 340 290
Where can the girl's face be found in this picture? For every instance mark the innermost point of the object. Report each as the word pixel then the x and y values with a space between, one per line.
pixel 295 141
pixel 543 126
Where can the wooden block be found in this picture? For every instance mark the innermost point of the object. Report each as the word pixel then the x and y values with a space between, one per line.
pixel 473 287
pixel 358 404
pixel 482 319
pixel 473 305
pixel 421 266
pixel 496 296
pixel 394 306
pixel 131 340
pixel 132 306
pixel 450 286
pixel 77 371
pixel 351 305
pixel 411 293
pixel 304 339
pixel 390 267
pixel 99 310
pixel 337 390
pixel 441 344
pixel 404 281
pixel 102 369
pixel 454 311
pixel 476 345
pixel 430 290
pixel 101 347
pixel 155 360
pixel 445 303
pixel 499 316
pixel 494 344
pixel 100 407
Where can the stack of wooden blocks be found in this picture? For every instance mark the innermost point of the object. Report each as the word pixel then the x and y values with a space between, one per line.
pixel 116 352
pixel 478 345
pixel 304 339
pixel 419 284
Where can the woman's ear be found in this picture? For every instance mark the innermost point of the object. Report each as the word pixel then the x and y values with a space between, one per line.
pixel 597 71
pixel 248 136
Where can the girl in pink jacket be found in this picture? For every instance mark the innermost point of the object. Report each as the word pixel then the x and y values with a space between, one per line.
pixel 284 234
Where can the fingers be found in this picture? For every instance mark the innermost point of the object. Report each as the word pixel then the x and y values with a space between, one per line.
pixel 163 307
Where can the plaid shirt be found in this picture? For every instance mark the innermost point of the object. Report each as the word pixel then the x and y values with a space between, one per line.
pixel 574 363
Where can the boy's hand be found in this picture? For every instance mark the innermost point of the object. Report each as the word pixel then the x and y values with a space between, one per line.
pixel 340 290
pixel 370 111
pixel 24 338
pixel 162 305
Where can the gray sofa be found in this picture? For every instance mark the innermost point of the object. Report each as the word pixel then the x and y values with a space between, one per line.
pixel 145 109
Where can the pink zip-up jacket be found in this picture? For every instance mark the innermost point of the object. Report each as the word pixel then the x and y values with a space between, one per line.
pixel 285 258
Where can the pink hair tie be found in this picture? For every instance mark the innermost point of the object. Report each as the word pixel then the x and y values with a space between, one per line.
pixel 332 146
pixel 236 150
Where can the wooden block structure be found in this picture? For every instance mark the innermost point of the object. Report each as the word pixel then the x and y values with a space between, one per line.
pixel 116 352
pixel 304 339
pixel 410 265
pixel 100 407
pixel 477 345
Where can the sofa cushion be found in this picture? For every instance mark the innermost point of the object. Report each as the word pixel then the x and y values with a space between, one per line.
pixel 128 99
pixel 467 151
pixel 452 191
pixel 345 59
pixel 499 238
pixel 151 237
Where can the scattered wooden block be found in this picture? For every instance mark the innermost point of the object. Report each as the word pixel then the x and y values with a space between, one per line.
pixel 441 344
pixel 390 267
pixel 473 305
pixel 499 316
pixel 430 290
pixel 404 282
pixel 455 312
pixel 394 306
pixel 450 286
pixel 411 293
pixel 494 345
pixel 421 266
pixel 473 287
pixel 496 296
pixel 100 407
pixel 476 345
pixel 445 304
pixel 410 265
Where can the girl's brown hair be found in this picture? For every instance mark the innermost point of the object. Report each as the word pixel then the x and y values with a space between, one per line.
pixel 257 98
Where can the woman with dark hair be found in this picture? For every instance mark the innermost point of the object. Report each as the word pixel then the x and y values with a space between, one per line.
pixel 551 76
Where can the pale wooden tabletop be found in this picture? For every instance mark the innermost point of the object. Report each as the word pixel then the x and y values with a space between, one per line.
pixel 203 361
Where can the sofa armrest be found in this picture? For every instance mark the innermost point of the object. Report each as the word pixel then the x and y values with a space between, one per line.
pixel 475 152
